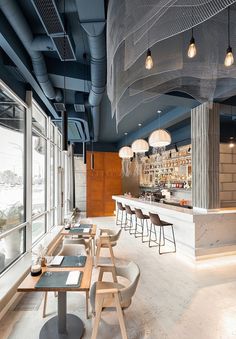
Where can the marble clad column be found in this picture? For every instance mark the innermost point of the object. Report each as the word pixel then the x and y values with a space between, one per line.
pixel 205 131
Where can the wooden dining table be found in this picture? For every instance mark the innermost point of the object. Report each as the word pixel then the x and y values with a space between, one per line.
pixel 64 325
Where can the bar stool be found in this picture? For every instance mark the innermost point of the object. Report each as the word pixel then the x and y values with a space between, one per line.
pixel 129 220
pixel 143 223
pixel 156 221
pixel 120 210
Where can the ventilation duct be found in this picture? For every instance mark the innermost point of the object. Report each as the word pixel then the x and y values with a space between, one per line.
pixel 97 45
pixel 95 111
pixel 42 43
pixel 64 47
pixel 15 17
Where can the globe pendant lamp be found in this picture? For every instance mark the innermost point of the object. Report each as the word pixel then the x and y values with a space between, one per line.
pixel 140 146
pixel 159 138
pixel 126 153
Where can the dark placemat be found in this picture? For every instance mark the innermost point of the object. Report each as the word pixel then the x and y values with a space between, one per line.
pixel 74 261
pixel 55 280
pixel 76 230
pixel 86 225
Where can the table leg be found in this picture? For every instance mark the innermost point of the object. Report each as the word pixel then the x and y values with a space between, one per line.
pixel 61 311
pixel 63 326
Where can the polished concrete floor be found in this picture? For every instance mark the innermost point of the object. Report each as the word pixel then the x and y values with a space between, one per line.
pixel 175 299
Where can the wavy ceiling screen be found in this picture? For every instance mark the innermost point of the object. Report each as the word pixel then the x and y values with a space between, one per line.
pixel 164 26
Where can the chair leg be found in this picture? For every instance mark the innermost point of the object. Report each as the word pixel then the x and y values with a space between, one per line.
pixel 98 253
pixel 99 301
pixel 112 254
pixel 120 317
pixel 160 239
pixel 45 303
pixel 86 304
pixel 173 237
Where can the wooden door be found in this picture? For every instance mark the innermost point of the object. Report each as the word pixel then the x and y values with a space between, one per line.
pixel 103 182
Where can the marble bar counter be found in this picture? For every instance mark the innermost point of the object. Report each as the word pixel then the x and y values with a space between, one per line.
pixel 199 234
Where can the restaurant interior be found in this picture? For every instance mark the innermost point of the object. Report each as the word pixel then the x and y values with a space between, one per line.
pixel 117 169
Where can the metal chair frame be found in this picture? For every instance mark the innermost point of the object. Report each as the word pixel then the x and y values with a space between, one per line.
pixel 129 226
pixel 162 237
pixel 120 221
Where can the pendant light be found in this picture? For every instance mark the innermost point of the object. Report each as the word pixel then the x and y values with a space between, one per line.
pixel 140 146
pixel 126 153
pixel 192 50
pixel 149 60
pixel 160 138
pixel 229 58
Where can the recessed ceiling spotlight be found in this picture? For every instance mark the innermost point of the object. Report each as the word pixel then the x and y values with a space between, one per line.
pixel 159 111
pixel 139 125
pixel 126 133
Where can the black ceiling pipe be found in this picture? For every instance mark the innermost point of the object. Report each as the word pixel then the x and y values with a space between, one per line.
pixel 84 153
pixel 18 22
pixel 64 128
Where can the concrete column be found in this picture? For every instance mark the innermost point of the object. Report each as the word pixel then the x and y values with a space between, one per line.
pixel 205 130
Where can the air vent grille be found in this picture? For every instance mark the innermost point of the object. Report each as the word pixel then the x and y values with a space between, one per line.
pixel 79 108
pixel 64 47
pixel 49 16
pixel 59 106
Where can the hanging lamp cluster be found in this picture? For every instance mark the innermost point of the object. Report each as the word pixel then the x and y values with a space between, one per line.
pixel 158 139
pixel 192 50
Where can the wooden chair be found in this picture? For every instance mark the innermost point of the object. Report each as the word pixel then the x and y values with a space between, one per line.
pixel 106 294
pixel 69 249
pixel 107 239
pixel 81 241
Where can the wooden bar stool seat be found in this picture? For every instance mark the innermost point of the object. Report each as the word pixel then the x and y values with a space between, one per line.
pixel 141 221
pixel 157 222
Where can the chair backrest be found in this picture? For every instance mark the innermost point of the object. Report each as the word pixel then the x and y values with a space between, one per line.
pixel 116 236
pixel 128 209
pixel 72 249
pixel 155 219
pixel 132 273
pixel 139 213
pixel 120 206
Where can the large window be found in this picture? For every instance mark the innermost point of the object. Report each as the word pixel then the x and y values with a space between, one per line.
pixel 12 178
pixel 39 158
pixel 30 172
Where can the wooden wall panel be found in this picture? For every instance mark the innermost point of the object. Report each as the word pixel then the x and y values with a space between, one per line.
pixel 103 182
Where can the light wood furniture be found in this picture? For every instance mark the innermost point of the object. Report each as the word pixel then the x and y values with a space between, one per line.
pixel 70 250
pixel 63 325
pixel 91 234
pixel 107 239
pixel 106 294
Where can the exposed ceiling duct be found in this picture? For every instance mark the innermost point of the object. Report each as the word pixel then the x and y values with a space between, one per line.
pixel 17 20
pixel 97 45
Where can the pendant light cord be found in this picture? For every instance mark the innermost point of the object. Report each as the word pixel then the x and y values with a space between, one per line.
pixel 228 26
